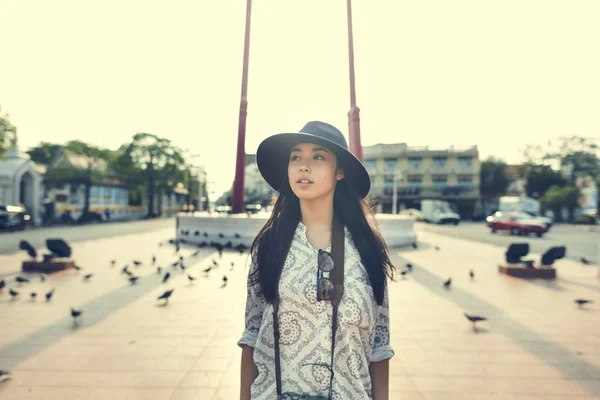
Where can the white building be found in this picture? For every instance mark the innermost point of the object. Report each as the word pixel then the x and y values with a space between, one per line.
pixel 20 182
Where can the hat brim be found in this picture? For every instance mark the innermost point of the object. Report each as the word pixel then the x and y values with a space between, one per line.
pixel 272 158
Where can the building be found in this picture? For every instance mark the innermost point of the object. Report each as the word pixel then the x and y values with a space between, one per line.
pixel 20 182
pixel 63 187
pixel 422 173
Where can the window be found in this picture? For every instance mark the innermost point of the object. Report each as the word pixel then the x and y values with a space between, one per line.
pixel 414 162
pixel 440 162
pixel 391 164
pixel 94 195
pixel 107 193
pixel 371 164
pixel 465 180
pixel 440 181
pixel 414 181
pixel 388 183
pixel 465 162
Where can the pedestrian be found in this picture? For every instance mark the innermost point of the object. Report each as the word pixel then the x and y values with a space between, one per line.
pixel 320 247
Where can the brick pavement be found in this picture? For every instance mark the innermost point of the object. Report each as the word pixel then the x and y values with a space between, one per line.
pixel 537 344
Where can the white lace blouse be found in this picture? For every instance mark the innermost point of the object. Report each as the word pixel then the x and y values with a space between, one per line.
pixel 363 334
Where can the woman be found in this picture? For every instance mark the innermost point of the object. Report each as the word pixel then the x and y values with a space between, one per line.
pixel 320 184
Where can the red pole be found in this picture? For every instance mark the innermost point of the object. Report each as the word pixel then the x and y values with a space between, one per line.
pixel 354 113
pixel 240 163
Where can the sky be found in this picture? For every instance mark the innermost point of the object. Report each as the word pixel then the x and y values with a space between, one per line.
pixel 499 75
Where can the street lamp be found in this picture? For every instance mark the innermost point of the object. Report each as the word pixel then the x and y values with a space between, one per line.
pixel 397 176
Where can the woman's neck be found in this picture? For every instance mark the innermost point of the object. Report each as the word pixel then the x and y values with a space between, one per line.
pixel 317 215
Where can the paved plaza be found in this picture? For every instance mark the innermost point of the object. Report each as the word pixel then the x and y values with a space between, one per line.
pixel 537 343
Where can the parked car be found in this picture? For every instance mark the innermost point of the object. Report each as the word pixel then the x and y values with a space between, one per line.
pixel 253 208
pixel 516 223
pixel 544 220
pixel 412 212
pixel 13 217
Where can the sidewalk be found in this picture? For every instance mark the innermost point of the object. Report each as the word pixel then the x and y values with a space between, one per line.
pixel 537 344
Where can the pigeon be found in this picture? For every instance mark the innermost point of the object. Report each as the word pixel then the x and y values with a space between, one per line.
pixel 472 274
pixel 182 266
pixel 585 261
pixel 437 248
pixel 220 248
pixel 205 234
pixel 133 279
pixel 237 236
pixel 87 277
pixel 43 277
pixel 195 254
pixel 166 277
pixel 125 270
pixel 153 259
pixel 214 262
pixel 232 264
pixel 448 283
pixel 414 245
pixel 409 266
pixel 13 293
pixel 4 375
pixel 221 235
pixel 113 262
pixel 197 233
pixel 403 273
pixel 474 319
pixel 224 278
pixel 158 270
pixel 49 295
pixel 75 313
pixel 137 263
pixel 582 302
pixel 191 278
pixel 77 268
pixel 207 270
pixel 228 245
pixel 165 296
pixel 177 248
pixel 180 258
pixel 2 284
pixel 21 279
pixel 33 295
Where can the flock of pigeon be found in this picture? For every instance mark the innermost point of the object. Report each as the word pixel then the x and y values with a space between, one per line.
pixel 178 265
pixel 477 318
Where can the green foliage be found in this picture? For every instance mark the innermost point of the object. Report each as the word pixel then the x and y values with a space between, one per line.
pixel 44 152
pixel 558 197
pixel 540 178
pixel 8 133
pixel 493 179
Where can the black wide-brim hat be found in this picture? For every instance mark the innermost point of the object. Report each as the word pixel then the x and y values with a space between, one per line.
pixel 272 156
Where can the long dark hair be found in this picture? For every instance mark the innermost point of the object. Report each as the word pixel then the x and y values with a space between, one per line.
pixel 273 242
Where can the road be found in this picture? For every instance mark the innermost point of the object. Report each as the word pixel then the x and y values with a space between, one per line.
pixel 580 242
pixel 9 241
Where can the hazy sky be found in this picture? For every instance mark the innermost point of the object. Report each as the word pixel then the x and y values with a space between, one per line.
pixel 495 74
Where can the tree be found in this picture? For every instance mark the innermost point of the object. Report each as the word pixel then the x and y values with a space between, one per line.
pixel 558 197
pixel 156 157
pixel 8 133
pixel 540 178
pixel 44 152
pixel 578 155
pixel 94 170
pixel 493 179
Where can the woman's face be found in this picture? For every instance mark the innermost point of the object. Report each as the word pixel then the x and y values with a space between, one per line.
pixel 312 171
